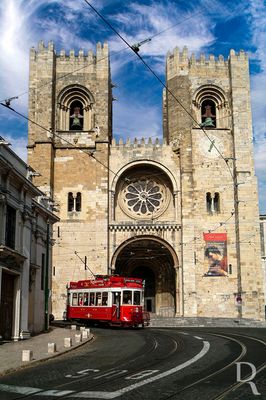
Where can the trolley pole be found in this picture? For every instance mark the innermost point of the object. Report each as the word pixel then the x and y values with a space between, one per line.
pixel 46 284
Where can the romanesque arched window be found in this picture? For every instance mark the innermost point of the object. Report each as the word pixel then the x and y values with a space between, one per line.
pixel 213 203
pixel 208 114
pixel 78 202
pixel 76 116
pixel 70 202
pixel 74 202
pixel 75 109
pixel 211 107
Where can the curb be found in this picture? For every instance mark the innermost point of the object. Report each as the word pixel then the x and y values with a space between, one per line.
pixel 48 357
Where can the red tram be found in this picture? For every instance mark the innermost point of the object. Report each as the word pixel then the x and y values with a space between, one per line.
pixel 114 300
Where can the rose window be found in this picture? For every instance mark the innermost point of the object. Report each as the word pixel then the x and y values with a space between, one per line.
pixel 144 197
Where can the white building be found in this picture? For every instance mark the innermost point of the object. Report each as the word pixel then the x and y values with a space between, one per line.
pixel 25 255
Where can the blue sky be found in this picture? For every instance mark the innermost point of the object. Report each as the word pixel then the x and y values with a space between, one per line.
pixel 204 26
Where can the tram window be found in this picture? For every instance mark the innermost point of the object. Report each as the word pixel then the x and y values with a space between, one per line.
pixel 92 299
pixel 137 297
pixel 74 299
pixel 86 299
pixel 105 298
pixel 127 297
pixel 80 297
pixel 98 299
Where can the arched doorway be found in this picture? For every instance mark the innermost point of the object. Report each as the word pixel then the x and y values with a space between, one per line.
pixel 155 261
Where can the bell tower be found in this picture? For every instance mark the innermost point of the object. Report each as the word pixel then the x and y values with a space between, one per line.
pixel 70 101
pixel 212 135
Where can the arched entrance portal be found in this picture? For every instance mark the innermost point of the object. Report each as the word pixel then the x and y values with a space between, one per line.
pixel 155 261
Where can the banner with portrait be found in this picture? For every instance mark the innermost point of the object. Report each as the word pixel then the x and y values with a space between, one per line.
pixel 215 254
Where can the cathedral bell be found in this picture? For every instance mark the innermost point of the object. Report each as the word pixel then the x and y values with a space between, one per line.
pixel 76 123
pixel 209 118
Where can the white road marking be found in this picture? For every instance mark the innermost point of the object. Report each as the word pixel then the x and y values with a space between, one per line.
pixel 143 374
pixel 56 393
pixel 108 395
pixel 19 389
pixel 198 337
pixel 112 373
pixel 120 392
pixel 82 373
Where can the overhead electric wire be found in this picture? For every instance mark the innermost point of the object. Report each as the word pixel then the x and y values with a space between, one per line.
pixel 89 153
pixel 136 50
pixel 67 74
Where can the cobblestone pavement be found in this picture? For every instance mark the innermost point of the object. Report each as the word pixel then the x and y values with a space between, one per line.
pixel 11 352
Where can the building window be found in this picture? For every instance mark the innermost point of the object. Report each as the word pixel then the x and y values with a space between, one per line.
pixel 209 202
pixel 70 202
pixel 216 202
pixel 78 202
pixel 208 114
pixel 10 227
pixel 76 116
pixel 75 109
pixel 210 106
pixel 74 202
pixel 213 203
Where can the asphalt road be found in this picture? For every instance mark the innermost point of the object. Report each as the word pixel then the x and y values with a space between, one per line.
pixel 157 364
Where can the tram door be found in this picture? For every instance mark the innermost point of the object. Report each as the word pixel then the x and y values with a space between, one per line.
pixel 116 301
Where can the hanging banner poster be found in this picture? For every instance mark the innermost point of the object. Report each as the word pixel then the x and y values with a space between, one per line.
pixel 215 254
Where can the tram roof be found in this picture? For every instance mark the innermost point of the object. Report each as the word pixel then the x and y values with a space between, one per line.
pixel 107 282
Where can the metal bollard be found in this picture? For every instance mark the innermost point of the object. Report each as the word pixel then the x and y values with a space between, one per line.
pixel 67 342
pixel 73 327
pixel 27 355
pixel 88 330
pixel 82 328
pixel 77 338
pixel 51 348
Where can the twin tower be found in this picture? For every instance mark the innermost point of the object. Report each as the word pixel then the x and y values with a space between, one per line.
pixel 181 213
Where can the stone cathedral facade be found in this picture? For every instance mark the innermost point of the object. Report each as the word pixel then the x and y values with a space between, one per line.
pixel 181 213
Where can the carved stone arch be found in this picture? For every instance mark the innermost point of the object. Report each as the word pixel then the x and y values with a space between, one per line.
pixel 154 260
pixel 217 100
pixel 144 190
pixel 138 238
pixel 83 98
pixel 145 162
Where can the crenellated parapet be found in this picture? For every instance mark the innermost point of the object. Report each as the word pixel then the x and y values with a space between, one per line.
pixel 180 63
pixel 87 57
pixel 139 143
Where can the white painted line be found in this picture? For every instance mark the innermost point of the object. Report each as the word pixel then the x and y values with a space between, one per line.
pixel 198 337
pixel 19 389
pixel 112 373
pixel 56 393
pixel 184 333
pixel 143 374
pixel 107 395
pixel 95 395
pixel 120 392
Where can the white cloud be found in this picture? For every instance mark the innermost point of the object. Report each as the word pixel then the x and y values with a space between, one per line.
pixel 18 145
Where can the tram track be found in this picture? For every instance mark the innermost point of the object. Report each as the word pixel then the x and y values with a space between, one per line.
pixel 230 388
pixel 95 385
pixel 154 342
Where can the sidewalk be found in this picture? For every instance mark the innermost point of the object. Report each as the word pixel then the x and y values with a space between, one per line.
pixel 11 352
